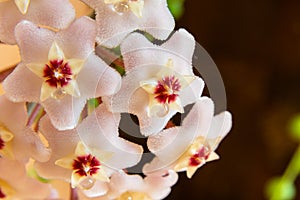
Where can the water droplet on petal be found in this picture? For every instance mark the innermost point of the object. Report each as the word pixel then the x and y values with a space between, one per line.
pixel 87 183
pixel 164 111
pixel 59 94
pixel 121 7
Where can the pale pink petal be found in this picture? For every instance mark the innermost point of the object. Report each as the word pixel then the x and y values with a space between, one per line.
pixel 120 183
pixel 25 143
pixel 138 51
pixel 100 131
pixel 98 79
pixel 16 112
pixel 55 13
pixel 22 85
pixel 113 27
pixel 181 43
pixel 9 17
pixel 220 126
pixel 62 144
pixel 64 113
pixel 197 122
pixel 159 186
pixel 200 117
pixel 25 187
pixel 192 92
pixel 121 101
pixel 34 42
pixel 78 40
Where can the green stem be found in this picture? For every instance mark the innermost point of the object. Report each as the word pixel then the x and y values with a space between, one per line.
pixel 293 169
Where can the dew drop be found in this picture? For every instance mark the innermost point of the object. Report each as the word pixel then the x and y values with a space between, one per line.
pixel 59 94
pixel 87 183
pixel 121 7
pixel 164 111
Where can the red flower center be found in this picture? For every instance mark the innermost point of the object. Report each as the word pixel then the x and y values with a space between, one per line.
pixel 2 144
pixel 199 157
pixel 167 89
pixel 57 73
pixel 86 165
pixel 2 195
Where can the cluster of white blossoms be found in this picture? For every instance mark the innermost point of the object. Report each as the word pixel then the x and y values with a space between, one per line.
pixel 62 104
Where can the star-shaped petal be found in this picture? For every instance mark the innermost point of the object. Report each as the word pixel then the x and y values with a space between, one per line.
pixel 159 80
pixel 60 70
pixel 196 140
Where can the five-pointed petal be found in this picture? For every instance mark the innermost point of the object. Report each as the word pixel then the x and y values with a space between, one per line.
pixel 195 141
pixel 60 65
pixel 159 80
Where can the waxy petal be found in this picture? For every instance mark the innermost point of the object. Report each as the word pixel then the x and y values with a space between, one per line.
pixel 100 131
pixel 41 12
pixel 59 109
pixel 97 78
pixel 159 25
pixel 78 40
pixel 25 142
pixel 60 148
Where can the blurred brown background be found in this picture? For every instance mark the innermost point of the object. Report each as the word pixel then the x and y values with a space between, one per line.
pixel 256 46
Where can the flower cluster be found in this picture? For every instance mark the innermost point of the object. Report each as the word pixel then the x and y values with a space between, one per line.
pixel 61 110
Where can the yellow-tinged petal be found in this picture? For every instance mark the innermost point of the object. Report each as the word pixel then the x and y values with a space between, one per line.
pixel 176 105
pixel 66 162
pixel 191 171
pixel 36 68
pixel 56 52
pixel 22 5
pixel 7 190
pixel 212 156
pixel 101 175
pixel 75 65
pixel 5 134
pixel 75 179
pixel 136 7
pixel 7 151
pixel 47 91
pixel 149 85
pixel 81 149
pixel 186 80
pixel 72 88
pixel 134 195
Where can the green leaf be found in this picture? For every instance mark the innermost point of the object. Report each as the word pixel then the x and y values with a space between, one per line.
pixel 294 127
pixel 280 189
pixel 176 7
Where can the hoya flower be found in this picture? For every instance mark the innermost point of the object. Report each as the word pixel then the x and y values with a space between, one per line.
pixel 195 141
pixel 60 70
pixel 153 187
pixel 88 163
pixel 17 141
pixel 15 184
pixel 117 18
pixel 42 12
pixel 159 80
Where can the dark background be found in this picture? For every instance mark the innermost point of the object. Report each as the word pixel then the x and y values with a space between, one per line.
pixel 256 46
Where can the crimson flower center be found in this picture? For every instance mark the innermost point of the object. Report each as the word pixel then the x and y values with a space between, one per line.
pixel 86 165
pixel 199 157
pixel 57 73
pixel 2 195
pixel 2 143
pixel 166 90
